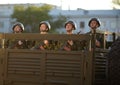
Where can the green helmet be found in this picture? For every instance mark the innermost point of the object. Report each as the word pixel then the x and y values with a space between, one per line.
pixel 71 22
pixel 18 24
pixel 46 23
pixel 94 19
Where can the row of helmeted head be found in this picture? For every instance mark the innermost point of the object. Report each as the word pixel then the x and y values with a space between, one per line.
pixel 49 26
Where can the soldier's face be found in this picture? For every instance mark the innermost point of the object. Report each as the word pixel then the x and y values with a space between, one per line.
pixel 17 29
pixel 43 28
pixel 69 27
pixel 93 24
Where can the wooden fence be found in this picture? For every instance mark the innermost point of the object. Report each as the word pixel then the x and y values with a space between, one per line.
pixel 49 67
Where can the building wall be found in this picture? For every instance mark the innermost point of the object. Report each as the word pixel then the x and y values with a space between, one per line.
pixel 5 18
pixel 110 19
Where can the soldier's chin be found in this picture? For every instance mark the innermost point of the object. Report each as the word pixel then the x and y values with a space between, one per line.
pixel 43 31
pixel 17 32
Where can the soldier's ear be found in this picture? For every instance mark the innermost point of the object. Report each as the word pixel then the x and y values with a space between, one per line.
pixel 73 28
pixel 97 25
pixel 47 29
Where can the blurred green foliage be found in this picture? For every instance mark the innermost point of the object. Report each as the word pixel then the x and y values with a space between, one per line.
pixel 31 16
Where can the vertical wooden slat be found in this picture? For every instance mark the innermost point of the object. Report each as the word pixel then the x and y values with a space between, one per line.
pixel 1 66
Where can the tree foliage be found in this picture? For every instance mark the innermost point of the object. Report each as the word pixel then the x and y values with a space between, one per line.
pixel 32 15
pixel 116 2
pixel 58 23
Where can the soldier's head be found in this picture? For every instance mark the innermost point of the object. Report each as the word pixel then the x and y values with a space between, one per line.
pixel 94 23
pixel 70 25
pixel 18 27
pixel 44 26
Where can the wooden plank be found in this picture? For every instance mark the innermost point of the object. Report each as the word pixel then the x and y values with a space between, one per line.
pixel 37 36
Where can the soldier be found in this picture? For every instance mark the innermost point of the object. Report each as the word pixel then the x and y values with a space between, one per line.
pixel 70 45
pixel 17 44
pixel 44 28
pixel 18 28
pixel 94 23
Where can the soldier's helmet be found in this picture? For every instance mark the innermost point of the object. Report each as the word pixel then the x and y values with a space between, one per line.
pixel 94 19
pixel 18 24
pixel 46 23
pixel 71 22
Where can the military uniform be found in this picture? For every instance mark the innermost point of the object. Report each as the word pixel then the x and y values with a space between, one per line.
pixel 71 45
pixel 57 45
pixel 94 23
pixel 16 44
pixel 44 28
pixel 99 38
pixel 77 45
pixel 41 44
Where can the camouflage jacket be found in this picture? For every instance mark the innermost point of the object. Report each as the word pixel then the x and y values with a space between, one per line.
pixel 16 44
pixel 76 46
pixel 42 45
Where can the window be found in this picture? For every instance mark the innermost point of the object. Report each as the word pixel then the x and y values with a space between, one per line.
pixel 82 24
pixel 1 24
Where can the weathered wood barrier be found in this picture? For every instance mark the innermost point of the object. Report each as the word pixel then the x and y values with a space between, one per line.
pixel 50 67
